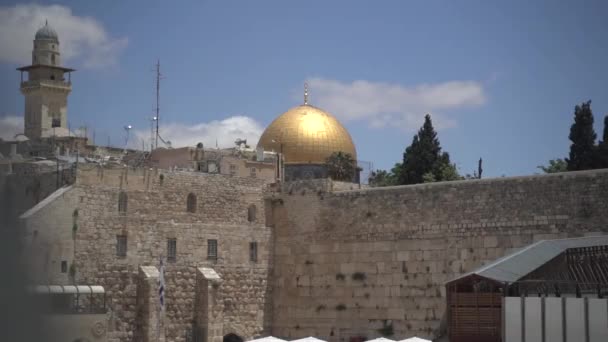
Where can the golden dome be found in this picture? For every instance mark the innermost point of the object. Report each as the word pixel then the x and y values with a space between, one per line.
pixel 308 135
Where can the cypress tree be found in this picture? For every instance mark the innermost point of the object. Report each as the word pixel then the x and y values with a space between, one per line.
pixel 602 148
pixel 423 160
pixel 582 135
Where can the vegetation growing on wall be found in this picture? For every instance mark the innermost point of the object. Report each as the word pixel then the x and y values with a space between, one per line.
pixel 360 276
pixel 387 329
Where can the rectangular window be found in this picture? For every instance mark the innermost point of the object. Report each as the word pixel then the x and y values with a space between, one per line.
pixel 253 251
pixel 121 245
pixel 212 249
pixel 171 249
pixel 252 172
pixel 232 170
pixel 64 267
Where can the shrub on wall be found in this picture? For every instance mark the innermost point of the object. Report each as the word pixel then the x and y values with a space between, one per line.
pixel 359 276
pixel 387 329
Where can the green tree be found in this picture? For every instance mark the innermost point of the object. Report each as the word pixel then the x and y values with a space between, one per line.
pixel 582 135
pixel 385 178
pixel 555 165
pixel 423 160
pixel 341 166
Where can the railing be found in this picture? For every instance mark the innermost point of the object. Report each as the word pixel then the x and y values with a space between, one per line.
pixel 557 288
pixel 55 83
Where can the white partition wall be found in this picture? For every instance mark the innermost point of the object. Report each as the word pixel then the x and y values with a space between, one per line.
pixel 563 319
pixel 532 319
pixel 575 319
pixel 513 323
pixel 554 330
pixel 598 323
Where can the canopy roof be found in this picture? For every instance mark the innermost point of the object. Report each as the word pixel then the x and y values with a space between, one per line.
pixel 67 289
pixel 308 339
pixel 517 265
pixel 268 339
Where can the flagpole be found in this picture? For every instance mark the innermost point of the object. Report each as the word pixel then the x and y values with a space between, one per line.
pixel 161 296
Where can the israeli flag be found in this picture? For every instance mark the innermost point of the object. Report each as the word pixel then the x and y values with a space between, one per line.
pixel 161 285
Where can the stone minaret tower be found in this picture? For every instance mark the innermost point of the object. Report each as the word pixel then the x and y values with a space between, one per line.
pixel 46 90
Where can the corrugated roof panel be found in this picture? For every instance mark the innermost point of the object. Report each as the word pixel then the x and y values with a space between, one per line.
pixel 520 263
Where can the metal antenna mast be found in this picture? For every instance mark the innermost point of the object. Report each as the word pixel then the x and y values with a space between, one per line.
pixel 157 100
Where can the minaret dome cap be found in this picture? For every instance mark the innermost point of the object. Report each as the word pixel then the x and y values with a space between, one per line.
pixel 47 33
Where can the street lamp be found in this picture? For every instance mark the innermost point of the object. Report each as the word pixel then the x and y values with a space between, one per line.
pixel 127 129
pixel 152 123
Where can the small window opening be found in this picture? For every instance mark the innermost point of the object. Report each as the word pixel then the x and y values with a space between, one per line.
pixel 122 202
pixel 251 213
pixel 191 203
pixel 171 249
pixel 253 251
pixel 253 172
pixel 212 249
pixel 64 266
pixel 121 245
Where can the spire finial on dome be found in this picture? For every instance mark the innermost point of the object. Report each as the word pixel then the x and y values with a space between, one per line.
pixel 305 93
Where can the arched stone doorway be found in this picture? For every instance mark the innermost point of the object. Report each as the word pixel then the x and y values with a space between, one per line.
pixel 232 338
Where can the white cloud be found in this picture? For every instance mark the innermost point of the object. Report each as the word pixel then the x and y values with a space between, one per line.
pixel 81 38
pixel 383 104
pixel 226 131
pixel 9 126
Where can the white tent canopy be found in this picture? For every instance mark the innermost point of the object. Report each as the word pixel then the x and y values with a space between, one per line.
pixel 381 339
pixel 415 339
pixel 268 339
pixel 308 339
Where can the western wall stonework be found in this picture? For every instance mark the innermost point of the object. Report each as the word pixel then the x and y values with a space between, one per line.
pixel 156 211
pixel 375 261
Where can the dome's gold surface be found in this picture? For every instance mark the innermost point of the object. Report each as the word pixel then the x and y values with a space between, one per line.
pixel 307 135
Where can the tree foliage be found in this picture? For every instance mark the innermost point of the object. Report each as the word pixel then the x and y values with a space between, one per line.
pixel 555 165
pixel 582 135
pixel 602 148
pixel 385 178
pixel 423 160
pixel 341 166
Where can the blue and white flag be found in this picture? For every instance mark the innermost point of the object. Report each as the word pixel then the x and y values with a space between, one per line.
pixel 161 285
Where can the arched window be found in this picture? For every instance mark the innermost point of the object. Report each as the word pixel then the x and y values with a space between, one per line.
pixel 251 213
pixel 53 59
pixel 122 202
pixel 191 203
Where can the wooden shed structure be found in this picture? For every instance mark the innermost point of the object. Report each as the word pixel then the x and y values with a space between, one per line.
pixel 574 267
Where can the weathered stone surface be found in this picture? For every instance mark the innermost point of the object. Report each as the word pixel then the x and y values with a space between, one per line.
pixel 332 262
pixel 385 253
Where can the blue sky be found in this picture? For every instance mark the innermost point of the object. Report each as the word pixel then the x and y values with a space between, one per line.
pixel 500 78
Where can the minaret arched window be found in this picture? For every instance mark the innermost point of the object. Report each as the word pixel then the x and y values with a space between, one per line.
pixel 191 203
pixel 122 202
pixel 251 213
pixel 53 59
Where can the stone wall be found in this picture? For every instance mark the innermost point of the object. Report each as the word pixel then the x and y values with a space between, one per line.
pixel 157 211
pixel 363 263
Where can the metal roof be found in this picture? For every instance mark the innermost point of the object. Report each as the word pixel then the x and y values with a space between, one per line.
pixel 520 263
